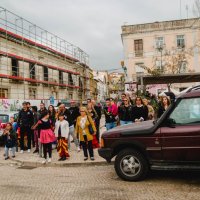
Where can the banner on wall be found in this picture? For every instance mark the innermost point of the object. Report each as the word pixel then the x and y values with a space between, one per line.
pixel 16 104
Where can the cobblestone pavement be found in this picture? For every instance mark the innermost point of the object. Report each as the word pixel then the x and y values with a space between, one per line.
pixel 94 182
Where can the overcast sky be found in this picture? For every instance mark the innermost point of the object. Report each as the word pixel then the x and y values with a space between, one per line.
pixel 95 25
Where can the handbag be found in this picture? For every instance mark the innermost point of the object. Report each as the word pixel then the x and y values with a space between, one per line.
pixel 90 127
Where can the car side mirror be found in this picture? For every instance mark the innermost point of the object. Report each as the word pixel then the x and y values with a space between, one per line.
pixel 171 123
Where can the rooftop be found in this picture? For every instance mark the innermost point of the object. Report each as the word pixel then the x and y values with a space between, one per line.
pixel 160 26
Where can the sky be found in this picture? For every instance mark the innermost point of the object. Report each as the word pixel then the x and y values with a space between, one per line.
pixel 95 25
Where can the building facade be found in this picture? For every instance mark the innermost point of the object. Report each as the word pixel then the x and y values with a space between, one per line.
pixel 116 84
pixel 102 85
pixel 169 47
pixel 36 64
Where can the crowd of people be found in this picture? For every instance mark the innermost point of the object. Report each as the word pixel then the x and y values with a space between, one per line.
pixel 48 126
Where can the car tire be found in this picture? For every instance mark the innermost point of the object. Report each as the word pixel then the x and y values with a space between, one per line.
pixel 131 165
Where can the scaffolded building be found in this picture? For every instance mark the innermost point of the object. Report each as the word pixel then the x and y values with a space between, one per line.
pixel 36 64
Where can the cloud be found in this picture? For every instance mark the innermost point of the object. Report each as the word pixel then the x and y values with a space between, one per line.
pixel 95 26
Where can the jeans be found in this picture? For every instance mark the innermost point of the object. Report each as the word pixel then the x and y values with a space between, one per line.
pixel 23 130
pixel 87 146
pixel 111 125
pixel 125 122
pixel 71 133
pixel 7 151
pixel 36 139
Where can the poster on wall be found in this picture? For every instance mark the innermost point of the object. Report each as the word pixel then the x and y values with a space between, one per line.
pixel 16 104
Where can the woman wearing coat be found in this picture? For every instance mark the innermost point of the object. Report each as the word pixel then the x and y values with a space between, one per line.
pixel 83 124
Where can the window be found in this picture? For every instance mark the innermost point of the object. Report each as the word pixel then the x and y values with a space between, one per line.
pixel 60 77
pixel 159 42
pixel 183 67
pixel 187 112
pixel 180 41
pixel 3 93
pixel 139 68
pixel 80 82
pixel 32 70
pixel 70 80
pixel 32 93
pixel 15 67
pixel 46 75
pixel 159 65
pixel 70 96
pixel 138 46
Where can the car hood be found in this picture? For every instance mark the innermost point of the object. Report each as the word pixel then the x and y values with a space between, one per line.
pixel 146 127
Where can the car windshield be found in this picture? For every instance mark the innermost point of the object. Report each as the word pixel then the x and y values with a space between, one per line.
pixel 4 118
pixel 187 111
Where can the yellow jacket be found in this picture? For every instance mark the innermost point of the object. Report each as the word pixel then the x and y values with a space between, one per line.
pixel 79 130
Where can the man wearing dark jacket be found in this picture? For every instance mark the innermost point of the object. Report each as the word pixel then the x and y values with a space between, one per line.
pixel 25 121
pixel 97 120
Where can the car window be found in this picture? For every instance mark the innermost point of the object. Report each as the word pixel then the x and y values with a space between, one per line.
pixel 4 118
pixel 187 111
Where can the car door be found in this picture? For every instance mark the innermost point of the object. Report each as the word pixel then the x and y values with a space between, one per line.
pixel 181 142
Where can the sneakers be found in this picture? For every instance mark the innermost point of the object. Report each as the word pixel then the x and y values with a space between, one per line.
pixel 36 151
pixel 92 158
pixel 29 150
pixel 21 151
pixel 6 158
pixel 85 158
pixel 44 161
pixel 49 160
pixel 78 149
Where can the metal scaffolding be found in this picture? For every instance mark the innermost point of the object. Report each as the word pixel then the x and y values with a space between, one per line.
pixel 26 35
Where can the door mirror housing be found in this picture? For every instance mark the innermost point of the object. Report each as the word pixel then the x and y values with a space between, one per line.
pixel 171 123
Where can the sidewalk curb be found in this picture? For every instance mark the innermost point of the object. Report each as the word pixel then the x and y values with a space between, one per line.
pixel 55 164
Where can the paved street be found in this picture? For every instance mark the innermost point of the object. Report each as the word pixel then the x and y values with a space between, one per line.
pixel 94 182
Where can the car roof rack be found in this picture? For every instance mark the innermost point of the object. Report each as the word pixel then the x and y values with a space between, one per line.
pixel 194 88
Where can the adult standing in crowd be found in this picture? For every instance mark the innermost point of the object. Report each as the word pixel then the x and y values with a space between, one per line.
pixel 97 119
pixel 151 112
pixel 52 115
pixel 40 113
pixel 25 121
pixel 68 117
pixel 42 109
pixel 140 112
pixel 74 113
pixel 82 129
pixel 125 112
pixel 35 119
pixel 163 106
pixel 110 115
pixel 32 132
pixel 93 114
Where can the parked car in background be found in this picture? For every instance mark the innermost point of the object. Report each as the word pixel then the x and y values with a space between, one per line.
pixel 170 143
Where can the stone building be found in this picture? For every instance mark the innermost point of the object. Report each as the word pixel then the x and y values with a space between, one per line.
pixel 36 64
pixel 116 84
pixel 102 84
pixel 168 47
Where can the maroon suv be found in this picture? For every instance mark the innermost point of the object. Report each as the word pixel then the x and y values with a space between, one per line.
pixel 170 143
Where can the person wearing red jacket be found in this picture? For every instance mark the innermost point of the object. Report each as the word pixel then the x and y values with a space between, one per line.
pixel 111 114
